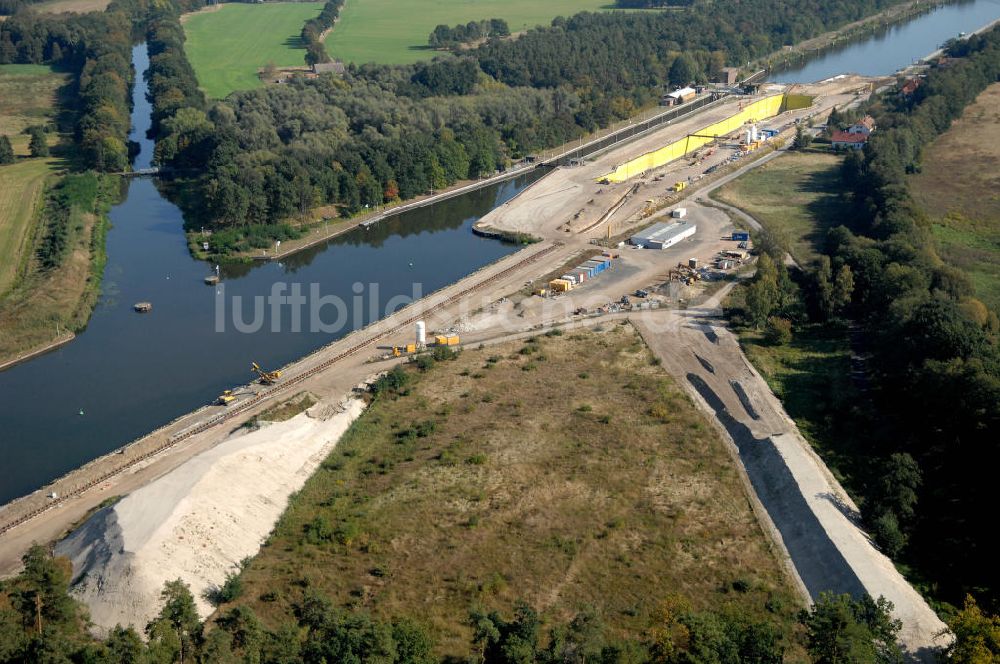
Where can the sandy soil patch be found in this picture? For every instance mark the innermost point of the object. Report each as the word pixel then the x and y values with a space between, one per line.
pixel 196 522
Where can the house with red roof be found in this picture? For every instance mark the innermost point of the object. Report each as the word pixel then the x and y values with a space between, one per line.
pixel 856 135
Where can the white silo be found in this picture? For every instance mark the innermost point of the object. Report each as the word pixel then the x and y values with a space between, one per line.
pixel 421 333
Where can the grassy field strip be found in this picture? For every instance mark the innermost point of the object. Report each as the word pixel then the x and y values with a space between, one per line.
pixel 390 32
pixel 20 196
pixel 75 6
pixel 959 186
pixel 795 196
pixel 228 46
pixel 27 97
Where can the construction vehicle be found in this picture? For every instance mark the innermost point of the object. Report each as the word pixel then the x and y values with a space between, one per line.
pixel 397 351
pixel 226 398
pixel 265 377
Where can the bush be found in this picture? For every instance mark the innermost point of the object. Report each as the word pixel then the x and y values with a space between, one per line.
pixel 318 531
pixel 778 331
pixel 888 535
pixel 39 145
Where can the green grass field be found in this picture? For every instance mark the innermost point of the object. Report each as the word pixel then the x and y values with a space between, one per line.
pixel 390 32
pixel 795 196
pixel 959 186
pixel 228 45
pixel 27 97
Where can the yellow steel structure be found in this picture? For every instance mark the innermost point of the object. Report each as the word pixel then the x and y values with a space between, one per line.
pixel 756 111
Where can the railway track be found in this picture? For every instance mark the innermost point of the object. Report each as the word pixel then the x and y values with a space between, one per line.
pixel 289 382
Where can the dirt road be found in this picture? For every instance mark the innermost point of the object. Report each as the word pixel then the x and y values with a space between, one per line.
pixel 813 516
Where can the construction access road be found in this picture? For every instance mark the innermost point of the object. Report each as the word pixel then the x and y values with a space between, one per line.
pixel 804 505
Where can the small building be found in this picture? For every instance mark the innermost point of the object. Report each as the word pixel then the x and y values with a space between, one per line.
pixel 864 126
pixel 683 95
pixel 845 139
pixel 663 235
pixel 729 75
pixel 910 86
pixel 335 67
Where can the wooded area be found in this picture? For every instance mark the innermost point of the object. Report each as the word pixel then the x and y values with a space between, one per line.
pixel 924 434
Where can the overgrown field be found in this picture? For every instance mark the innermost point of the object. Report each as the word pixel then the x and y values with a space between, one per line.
pixel 229 44
pixel 65 264
pixel 796 197
pixel 27 97
pixel 390 32
pixel 77 6
pixel 565 470
pixel 959 186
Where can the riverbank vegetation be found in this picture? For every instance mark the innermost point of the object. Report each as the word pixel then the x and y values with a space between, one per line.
pixel 60 282
pixel 66 80
pixel 912 429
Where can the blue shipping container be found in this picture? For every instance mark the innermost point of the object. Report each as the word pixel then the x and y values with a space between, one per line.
pixel 740 236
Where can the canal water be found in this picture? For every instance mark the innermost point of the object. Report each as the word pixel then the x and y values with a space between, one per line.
pixel 889 49
pixel 129 373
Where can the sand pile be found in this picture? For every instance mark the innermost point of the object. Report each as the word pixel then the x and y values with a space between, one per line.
pixel 198 521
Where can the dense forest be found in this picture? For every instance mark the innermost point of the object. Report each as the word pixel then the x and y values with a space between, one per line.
pixel 381 134
pixel 927 432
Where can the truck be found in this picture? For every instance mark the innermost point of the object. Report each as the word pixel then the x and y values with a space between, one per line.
pixel 679 213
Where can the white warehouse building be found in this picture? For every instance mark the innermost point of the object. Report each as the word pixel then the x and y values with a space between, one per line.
pixel 663 235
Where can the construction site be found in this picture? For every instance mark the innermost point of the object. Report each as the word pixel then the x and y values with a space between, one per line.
pixel 594 262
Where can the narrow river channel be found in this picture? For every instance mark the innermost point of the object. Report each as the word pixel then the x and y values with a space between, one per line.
pixel 127 373
pixel 890 48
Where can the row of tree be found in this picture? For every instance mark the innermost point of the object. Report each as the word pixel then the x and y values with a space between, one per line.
pixel 450 37
pixel 40 622
pixel 312 32
pixel 936 358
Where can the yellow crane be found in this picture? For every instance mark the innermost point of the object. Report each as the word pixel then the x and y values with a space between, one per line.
pixel 266 377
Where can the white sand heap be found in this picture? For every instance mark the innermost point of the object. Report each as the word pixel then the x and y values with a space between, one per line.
pixel 197 521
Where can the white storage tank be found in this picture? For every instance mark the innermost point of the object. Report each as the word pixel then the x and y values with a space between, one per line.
pixel 421 333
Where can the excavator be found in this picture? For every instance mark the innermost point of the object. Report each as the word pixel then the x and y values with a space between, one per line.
pixel 266 377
